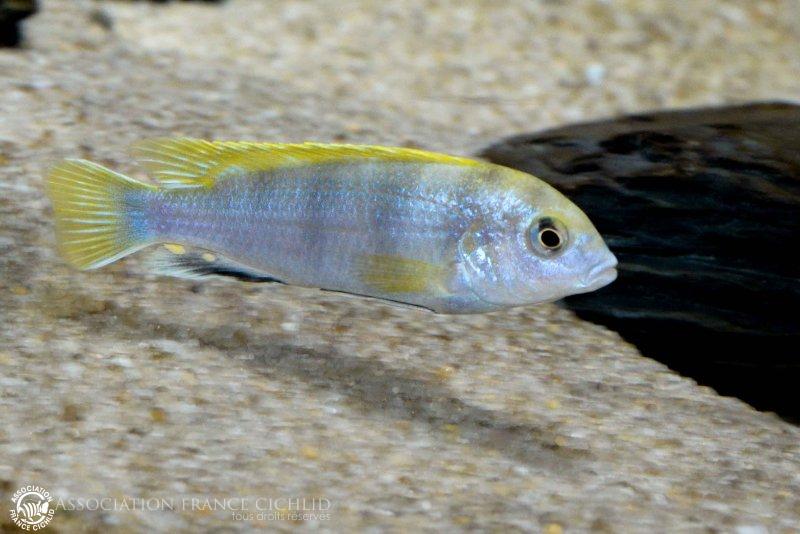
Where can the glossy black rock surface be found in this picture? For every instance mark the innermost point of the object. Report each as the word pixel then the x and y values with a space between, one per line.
pixel 12 12
pixel 702 208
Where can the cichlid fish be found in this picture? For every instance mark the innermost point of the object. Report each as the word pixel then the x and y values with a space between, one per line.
pixel 450 234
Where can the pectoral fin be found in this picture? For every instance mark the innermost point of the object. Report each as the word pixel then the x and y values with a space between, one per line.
pixel 398 275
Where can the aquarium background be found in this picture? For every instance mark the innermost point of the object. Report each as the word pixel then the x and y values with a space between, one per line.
pixel 116 384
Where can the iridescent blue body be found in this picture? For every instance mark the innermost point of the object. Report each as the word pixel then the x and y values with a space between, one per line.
pixel 312 226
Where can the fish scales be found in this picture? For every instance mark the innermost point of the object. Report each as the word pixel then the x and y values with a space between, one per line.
pixel 317 222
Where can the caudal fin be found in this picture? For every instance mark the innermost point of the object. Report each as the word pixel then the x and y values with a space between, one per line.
pixel 91 213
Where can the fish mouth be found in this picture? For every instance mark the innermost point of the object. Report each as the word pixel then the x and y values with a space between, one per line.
pixel 600 275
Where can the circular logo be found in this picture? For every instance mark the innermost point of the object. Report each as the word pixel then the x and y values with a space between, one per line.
pixel 32 508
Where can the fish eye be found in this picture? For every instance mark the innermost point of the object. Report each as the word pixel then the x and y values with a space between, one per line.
pixel 548 236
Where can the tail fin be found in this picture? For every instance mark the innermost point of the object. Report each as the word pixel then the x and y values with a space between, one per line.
pixel 91 220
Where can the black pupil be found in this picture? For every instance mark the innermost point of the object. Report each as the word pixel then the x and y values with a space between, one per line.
pixel 550 238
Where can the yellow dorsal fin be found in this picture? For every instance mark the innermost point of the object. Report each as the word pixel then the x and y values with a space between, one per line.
pixel 199 163
pixel 178 162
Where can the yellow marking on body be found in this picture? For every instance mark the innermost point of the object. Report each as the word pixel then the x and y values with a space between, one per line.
pixel 175 248
pixel 186 162
pixel 208 257
pixel 395 274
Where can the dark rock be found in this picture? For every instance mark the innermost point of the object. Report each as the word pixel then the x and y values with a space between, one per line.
pixel 11 14
pixel 702 208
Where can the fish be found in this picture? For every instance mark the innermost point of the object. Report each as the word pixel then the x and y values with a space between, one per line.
pixel 450 234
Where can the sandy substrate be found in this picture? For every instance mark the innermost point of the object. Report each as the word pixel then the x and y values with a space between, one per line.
pixel 115 384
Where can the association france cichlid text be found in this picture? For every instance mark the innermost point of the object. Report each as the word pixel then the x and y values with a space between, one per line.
pixel 450 234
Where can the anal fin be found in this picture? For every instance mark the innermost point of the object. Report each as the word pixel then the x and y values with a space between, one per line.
pixel 194 263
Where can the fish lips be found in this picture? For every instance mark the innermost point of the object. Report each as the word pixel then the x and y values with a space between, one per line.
pixel 600 275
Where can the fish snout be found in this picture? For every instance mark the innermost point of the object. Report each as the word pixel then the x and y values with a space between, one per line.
pixel 600 274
